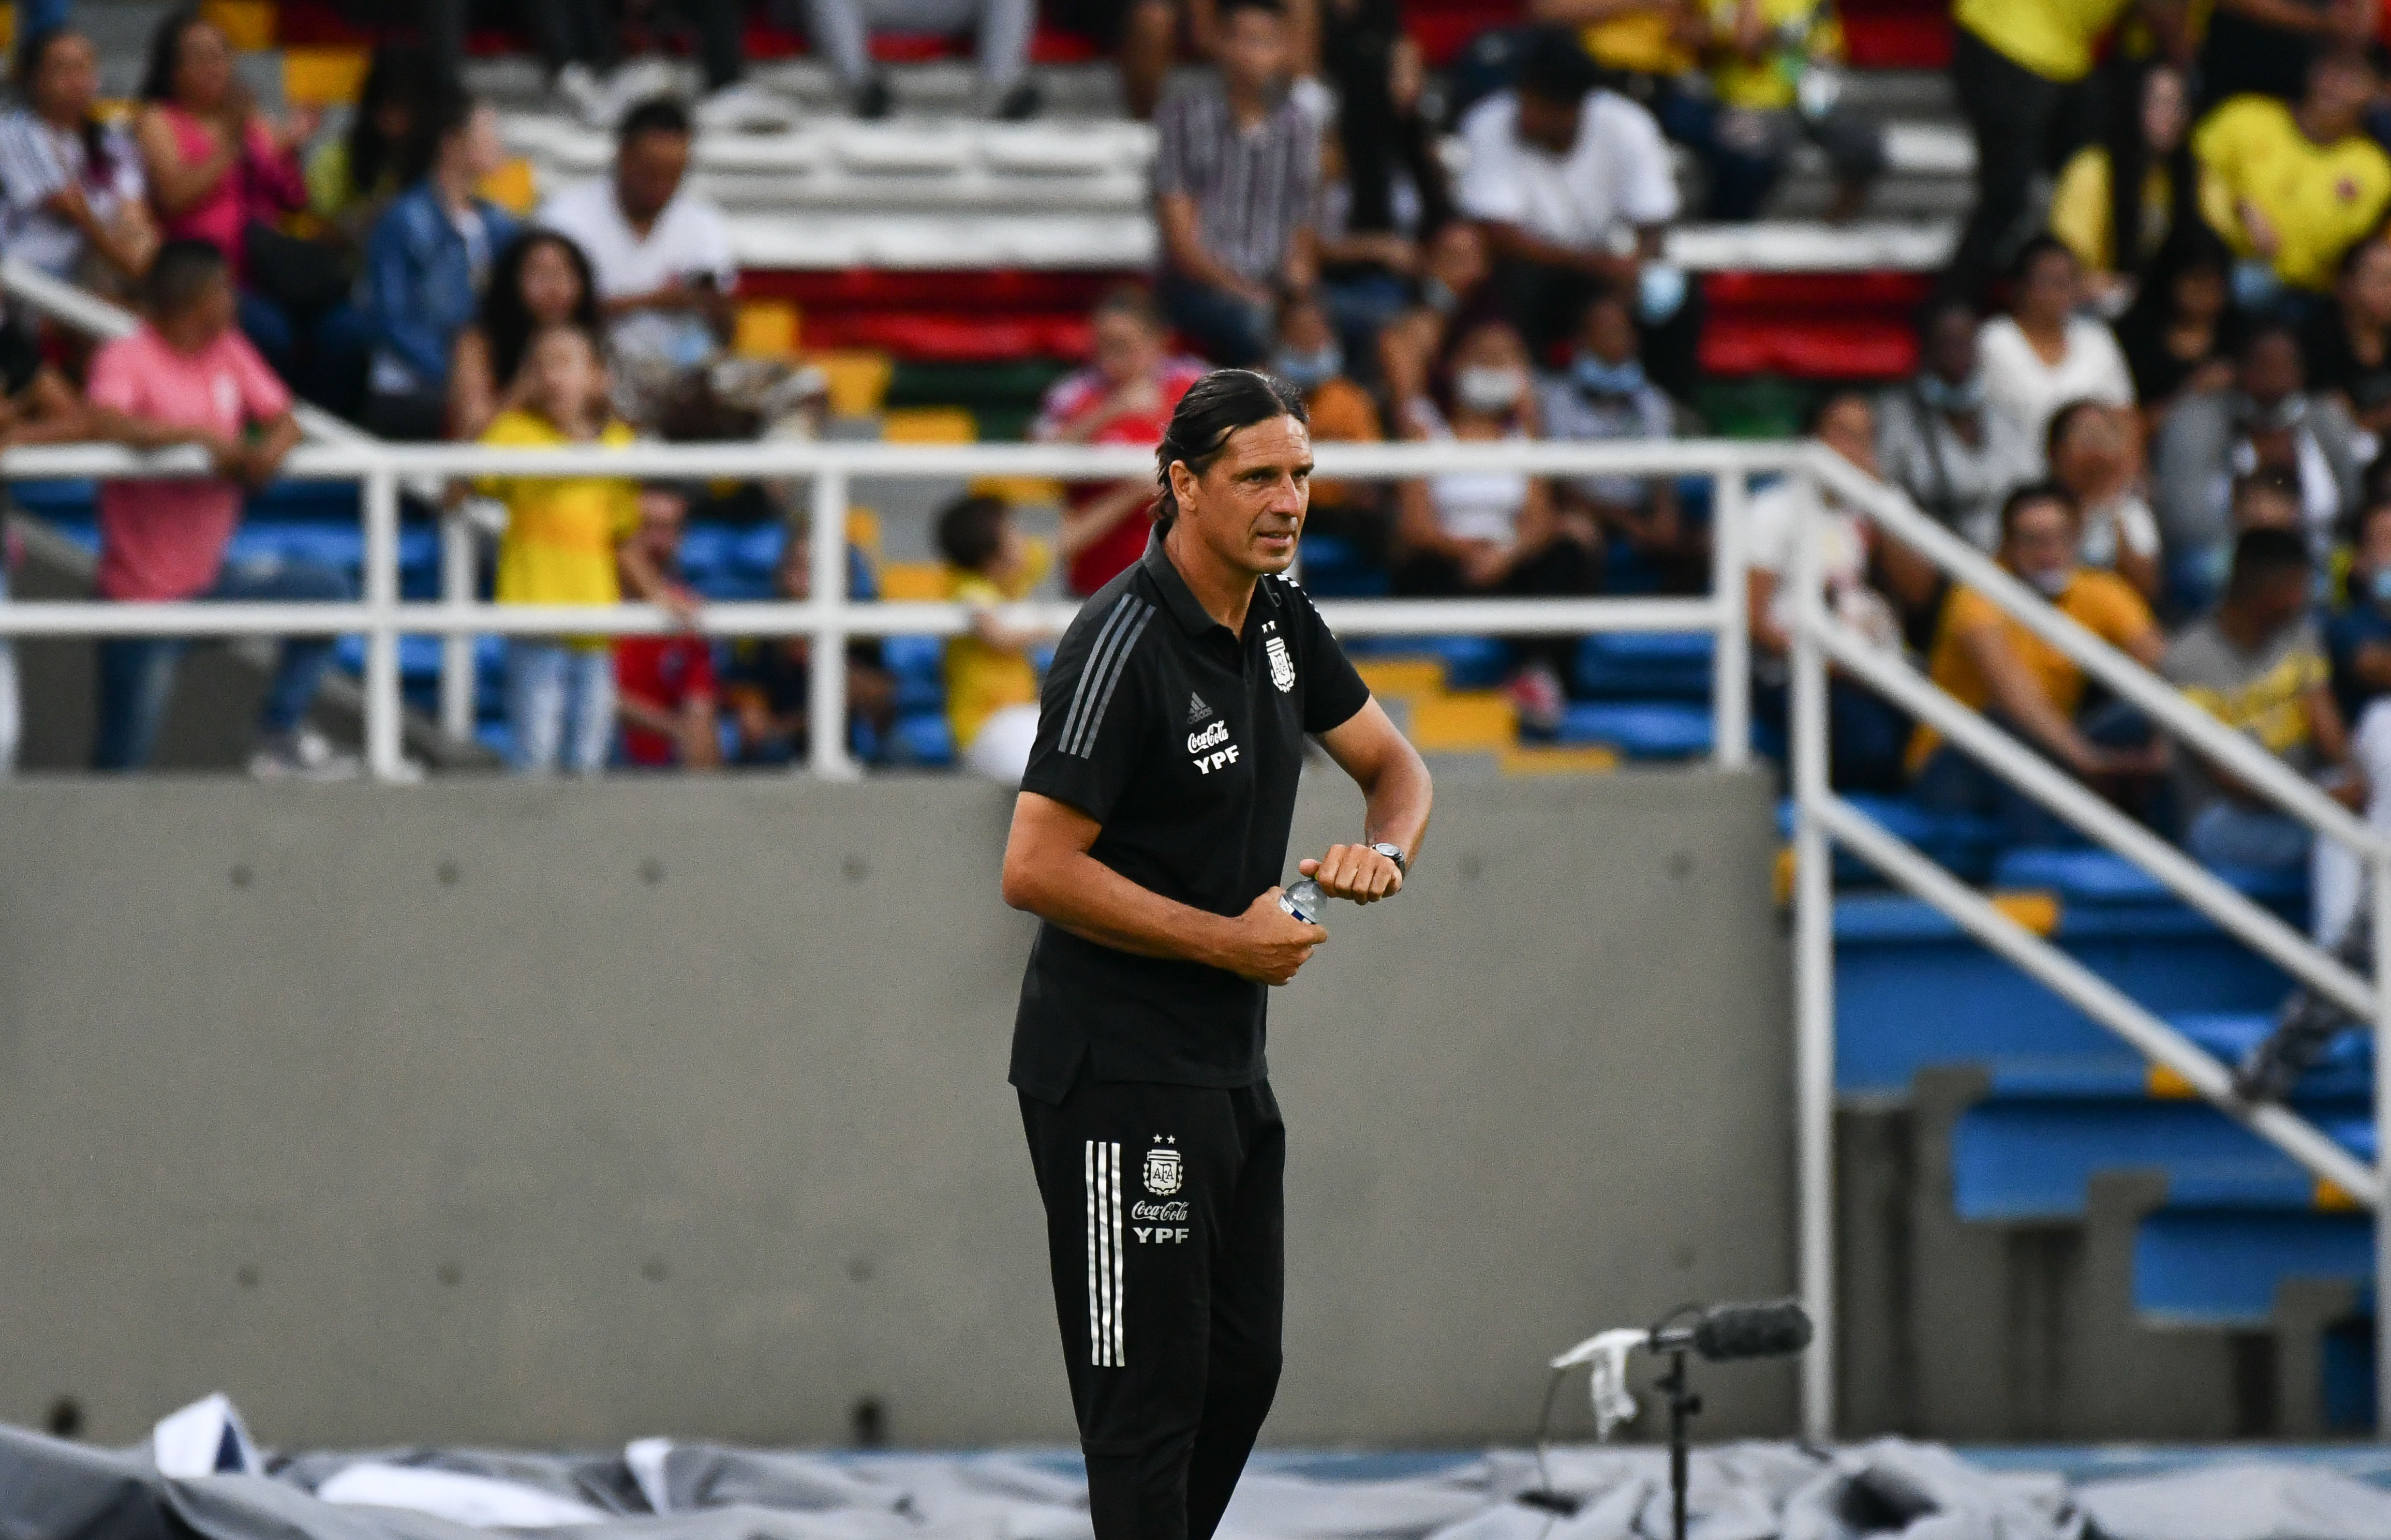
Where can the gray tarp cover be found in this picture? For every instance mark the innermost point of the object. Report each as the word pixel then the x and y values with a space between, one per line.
pixel 657 1490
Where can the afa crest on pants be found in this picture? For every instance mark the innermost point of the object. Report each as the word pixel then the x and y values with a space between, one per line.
pixel 1162 1171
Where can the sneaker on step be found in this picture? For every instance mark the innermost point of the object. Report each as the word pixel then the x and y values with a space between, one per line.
pixel 874 100
pixel 745 109
pixel 302 754
pixel 1536 692
pixel 1020 104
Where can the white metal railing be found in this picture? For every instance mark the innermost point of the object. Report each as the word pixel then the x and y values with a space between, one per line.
pixel 831 616
pixel 1821 643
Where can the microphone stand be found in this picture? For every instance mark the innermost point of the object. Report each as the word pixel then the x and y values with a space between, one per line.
pixel 1683 1405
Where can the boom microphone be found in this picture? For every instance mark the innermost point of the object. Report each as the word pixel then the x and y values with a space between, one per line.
pixel 1776 1328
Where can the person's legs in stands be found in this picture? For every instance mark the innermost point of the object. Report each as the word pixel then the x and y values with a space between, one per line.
pixel 1224 327
pixel 1149 35
pixel 1744 154
pixel 2227 833
pixel 333 373
pixel 2009 109
pixel 1006 28
pixel 536 686
pixel 1856 157
pixel 1564 569
pixel 590 708
pixel 840 38
pixel 720 48
pixel 2337 876
pixel 1866 737
pixel 136 676
pixel 302 661
pixel 269 330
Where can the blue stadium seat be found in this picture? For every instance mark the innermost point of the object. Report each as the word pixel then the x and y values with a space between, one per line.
pixel 923 738
pixel 2102 877
pixel 1966 844
pixel 919 664
pixel 1651 730
pixel 2220 1267
pixel 1333 569
pixel 1646 666
pixel 1470 663
pixel 2030 1158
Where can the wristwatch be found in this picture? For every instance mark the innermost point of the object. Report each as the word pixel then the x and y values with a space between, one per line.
pixel 1394 853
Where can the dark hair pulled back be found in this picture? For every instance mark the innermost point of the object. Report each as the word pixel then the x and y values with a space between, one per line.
pixel 1214 408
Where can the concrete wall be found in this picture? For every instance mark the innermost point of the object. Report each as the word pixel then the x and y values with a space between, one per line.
pixel 559 1115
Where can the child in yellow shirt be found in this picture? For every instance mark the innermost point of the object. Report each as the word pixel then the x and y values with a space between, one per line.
pixel 991 683
pixel 567 542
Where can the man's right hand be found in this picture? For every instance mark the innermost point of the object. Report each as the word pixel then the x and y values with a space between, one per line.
pixel 1267 944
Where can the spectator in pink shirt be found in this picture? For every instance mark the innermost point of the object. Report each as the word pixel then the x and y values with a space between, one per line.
pixel 188 376
pixel 220 171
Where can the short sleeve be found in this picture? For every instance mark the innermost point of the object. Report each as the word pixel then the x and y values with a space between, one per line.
pixel 1648 189
pixel 1970 611
pixel 2120 615
pixel 115 380
pixel 264 397
pixel 1094 708
pixel 1490 185
pixel 1333 691
pixel 1768 525
pixel 2114 386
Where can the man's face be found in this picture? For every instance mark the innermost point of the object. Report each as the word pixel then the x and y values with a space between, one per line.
pixel 1126 347
pixel 1253 50
pixel 1548 126
pixel 1456 258
pixel 1951 346
pixel 1249 508
pixel 2271 370
pixel 1609 332
pixel 648 172
pixel 1849 428
pixel 2277 600
pixel 2040 546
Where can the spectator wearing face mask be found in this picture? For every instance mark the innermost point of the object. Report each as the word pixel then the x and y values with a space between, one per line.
pixel 1310 358
pixel 2268 421
pixel 1991 664
pixel 1604 398
pixel 2043 353
pixel 1494 532
pixel 1868 582
pixel 2095 452
pixel 1937 443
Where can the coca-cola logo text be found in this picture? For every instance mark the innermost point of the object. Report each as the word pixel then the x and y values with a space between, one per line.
pixel 1159 1212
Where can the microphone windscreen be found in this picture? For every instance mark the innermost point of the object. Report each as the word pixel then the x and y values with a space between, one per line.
pixel 1770 1330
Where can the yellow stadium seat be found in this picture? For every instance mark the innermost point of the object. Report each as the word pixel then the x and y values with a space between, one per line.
pixel 322 77
pixel 1401 679
pixel 863 532
pixel 929 425
pixel 248 25
pixel 914 581
pixel 767 328
pixel 1019 491
pixel 858 381
pixel 1466 721
pixel 514 186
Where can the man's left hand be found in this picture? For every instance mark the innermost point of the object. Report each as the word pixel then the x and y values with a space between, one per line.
pixel 1354 872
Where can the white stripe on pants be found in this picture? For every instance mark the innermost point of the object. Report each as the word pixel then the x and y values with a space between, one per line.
pixel 1105 1263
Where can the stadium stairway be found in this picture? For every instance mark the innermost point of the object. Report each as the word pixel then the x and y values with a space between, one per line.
pixel 2160 1271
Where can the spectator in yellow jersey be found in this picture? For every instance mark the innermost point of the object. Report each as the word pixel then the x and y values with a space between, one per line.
pixel 1991 664
pixel 2292 187
pixel 568 541
pixel 991 683
pixel 1774 78
pixel 2012 64
pixel 2117 226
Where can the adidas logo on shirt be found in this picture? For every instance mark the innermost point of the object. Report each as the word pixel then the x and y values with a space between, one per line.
pixel 1197 710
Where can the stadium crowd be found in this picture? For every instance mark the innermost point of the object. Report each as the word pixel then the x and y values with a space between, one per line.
pixel 2159 399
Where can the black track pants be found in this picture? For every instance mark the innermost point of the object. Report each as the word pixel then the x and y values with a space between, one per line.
pixel 1165 1225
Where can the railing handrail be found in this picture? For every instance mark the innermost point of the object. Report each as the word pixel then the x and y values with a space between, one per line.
pixel 2122 675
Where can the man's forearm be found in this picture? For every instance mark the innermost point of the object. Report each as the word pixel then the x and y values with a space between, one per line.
pixel 1092 901
pixel 1395 809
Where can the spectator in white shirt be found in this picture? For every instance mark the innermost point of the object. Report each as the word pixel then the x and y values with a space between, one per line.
pixel 661 255
pixel 2043 354
pixel 72 200
pixel 1937 441
pixel 1571 186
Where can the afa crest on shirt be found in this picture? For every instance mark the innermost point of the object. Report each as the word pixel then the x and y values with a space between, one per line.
pixel 1282 666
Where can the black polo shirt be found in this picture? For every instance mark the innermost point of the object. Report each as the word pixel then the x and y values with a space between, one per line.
pixel 1185 741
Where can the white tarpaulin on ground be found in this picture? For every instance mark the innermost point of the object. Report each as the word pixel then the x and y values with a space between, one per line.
pixel 203 1475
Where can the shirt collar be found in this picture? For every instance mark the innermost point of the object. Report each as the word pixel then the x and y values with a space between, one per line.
pixel 1181 600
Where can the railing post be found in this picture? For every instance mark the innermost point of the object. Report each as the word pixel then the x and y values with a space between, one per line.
pixel 1813 978
pixel 2378 869
pixel 1731 665
pixel 457 650
pixel 826 699
pixel 384 758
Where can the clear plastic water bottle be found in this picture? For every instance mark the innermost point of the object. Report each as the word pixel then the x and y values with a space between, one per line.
pixel 1304 900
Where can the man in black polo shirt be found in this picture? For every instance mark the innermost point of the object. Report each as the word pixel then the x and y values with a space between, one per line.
pixel 1150 835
